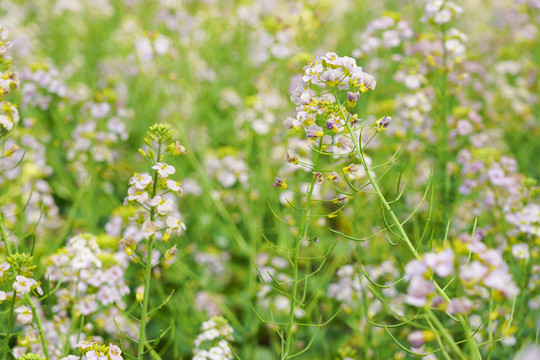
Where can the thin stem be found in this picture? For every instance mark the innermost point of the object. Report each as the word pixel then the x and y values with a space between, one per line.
pixel 443 139
pixel 148 273
pixel 40 327
pixel 301 235
pixel 4 237
pixel 10 324
pixel 148 269
pixel 72 325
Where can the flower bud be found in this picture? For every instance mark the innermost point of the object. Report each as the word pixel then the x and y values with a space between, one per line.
pixel 139 294
pixel 129 245
pixel 170 253
pixel 279 183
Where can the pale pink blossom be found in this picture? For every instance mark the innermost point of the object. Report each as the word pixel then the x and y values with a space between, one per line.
pixel 24 314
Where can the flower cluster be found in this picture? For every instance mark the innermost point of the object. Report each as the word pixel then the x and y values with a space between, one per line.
pixel 151 45
pixel 213 342
pixel 102 126
pixel 333 73
pixel 159 215
pixel 351 291
pixel 486 270
pixel 441 12
pixel 42 83
pixel 417 272
pixel 387 32
pixel 9 115
pixel 96 276
pixel 94 351
pixel 227 167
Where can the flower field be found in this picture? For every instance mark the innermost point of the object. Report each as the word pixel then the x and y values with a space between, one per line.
pixel 258 180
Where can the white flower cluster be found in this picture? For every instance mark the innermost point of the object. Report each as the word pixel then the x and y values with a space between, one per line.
pixel 336 73
pixel 385 32
pixel 150 45
pixel 441 11
pixel 79 266
pixel 526 219
pixel 350 290
pixel 454 43
pixel 103 127
pixel 41 84
pixel 167 217
pixel 9 115
pixel 213 342
pixel 228 170
pixel 155 195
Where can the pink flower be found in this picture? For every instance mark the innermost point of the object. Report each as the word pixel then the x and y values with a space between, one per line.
pixel 22 284
pixel 24 314
pixel 415 268
pixel 441 263
pixel 114 352
pixel 460 306
pixel 418 290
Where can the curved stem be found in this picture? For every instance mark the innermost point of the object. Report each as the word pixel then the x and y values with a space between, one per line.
pixel 359 151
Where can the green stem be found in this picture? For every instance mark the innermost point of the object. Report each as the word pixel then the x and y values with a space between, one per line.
pixel 443 138
pixel 148 269
pixel 40 327
pixel 4 237
pixel 10 324
pixel 148 273
pixel 301 235
pixel 67 347
pixel 442 329
pixel 474 347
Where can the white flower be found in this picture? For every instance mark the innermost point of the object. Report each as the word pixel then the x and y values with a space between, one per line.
pixel 175 223
pixel 164 170
pixel 96 355
pixel 22 285
pixel 3 268
pixel 84 344
pixel 521 251
pixel 135 194
pixel 165 206
pixel 149 228
pixel 174 186
pixel 141 181
pixel 24 314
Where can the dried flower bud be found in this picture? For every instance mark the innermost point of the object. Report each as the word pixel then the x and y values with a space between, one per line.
pixel 170 253
pixel 383 123
pixel 279 183
pixel 129 244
